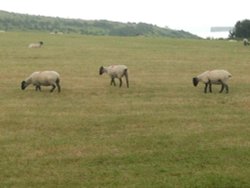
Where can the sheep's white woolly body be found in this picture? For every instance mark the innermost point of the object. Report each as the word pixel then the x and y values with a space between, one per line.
pixel 115 71
pixel 245 42
pixel 214 76
pixel 219 77
pixel 45 78
pixel 36 45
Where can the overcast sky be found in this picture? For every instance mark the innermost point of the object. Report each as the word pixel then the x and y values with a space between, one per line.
pixel 195 16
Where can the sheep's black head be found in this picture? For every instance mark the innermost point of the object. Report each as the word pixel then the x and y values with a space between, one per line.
pixel 41 42
pixel 195 81
pixel 23 85
pixel 101 70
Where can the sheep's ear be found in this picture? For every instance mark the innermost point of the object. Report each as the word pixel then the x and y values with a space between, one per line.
pixel 101 70
pixel 23 85
pixel 195 81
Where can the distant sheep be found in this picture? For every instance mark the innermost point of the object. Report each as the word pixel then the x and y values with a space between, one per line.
pixel 45 78
pixel 219 77
pixel 115 71
pixel 245 42
pixel 36 45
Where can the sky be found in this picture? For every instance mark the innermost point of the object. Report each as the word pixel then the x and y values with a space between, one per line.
pixel 195 16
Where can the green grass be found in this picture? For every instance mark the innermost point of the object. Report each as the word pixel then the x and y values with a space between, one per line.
pixel 161 132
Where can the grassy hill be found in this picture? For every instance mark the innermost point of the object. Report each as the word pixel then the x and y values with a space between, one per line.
pixel 22 22
pixel 161 132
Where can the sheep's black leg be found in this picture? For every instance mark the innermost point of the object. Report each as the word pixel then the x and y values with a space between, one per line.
pixel 58 88
pixel 205 89
pixel 53 87
pixel 120 82
pixel 112 82
pixel 210 86
pixel 222 87
pixel 227 89
pixel 58 85
pixel 126 76
pixel 38 88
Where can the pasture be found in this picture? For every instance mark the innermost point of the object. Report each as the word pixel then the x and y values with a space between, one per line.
pixel 160 132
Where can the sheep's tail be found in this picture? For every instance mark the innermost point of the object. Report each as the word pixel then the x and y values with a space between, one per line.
pixel 126 76
pixel 58 85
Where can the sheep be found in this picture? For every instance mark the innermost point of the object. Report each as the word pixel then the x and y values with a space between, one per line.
pixel 44 78
pixel 36 45
pixel 219 77
pixel 115 71
pixel 245 42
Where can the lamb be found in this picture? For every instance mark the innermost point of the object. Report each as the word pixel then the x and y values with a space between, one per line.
pixel 36 45
pixel 245 42
pixel 115 71
pixel 219 77
pixel 44 78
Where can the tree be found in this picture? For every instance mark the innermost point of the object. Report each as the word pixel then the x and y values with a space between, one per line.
pixel 241 30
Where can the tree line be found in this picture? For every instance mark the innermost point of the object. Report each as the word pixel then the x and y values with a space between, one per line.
pixel 241 30
pixel 23 22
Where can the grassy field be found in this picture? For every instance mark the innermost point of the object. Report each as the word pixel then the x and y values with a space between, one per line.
pixel 161 132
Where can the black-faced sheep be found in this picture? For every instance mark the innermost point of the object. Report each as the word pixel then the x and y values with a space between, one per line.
pixel 115 71
pixel 36 45
pixel 219 77
pixel 45 78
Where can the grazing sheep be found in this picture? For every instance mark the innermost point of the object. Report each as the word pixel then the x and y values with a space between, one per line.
pixel 45 78
pixel 219 77
pixel 245 42
pixel 115 71
pixel 36 45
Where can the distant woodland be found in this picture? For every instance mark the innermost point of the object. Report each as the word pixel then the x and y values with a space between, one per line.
pixel 241 30
pixel 23 22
